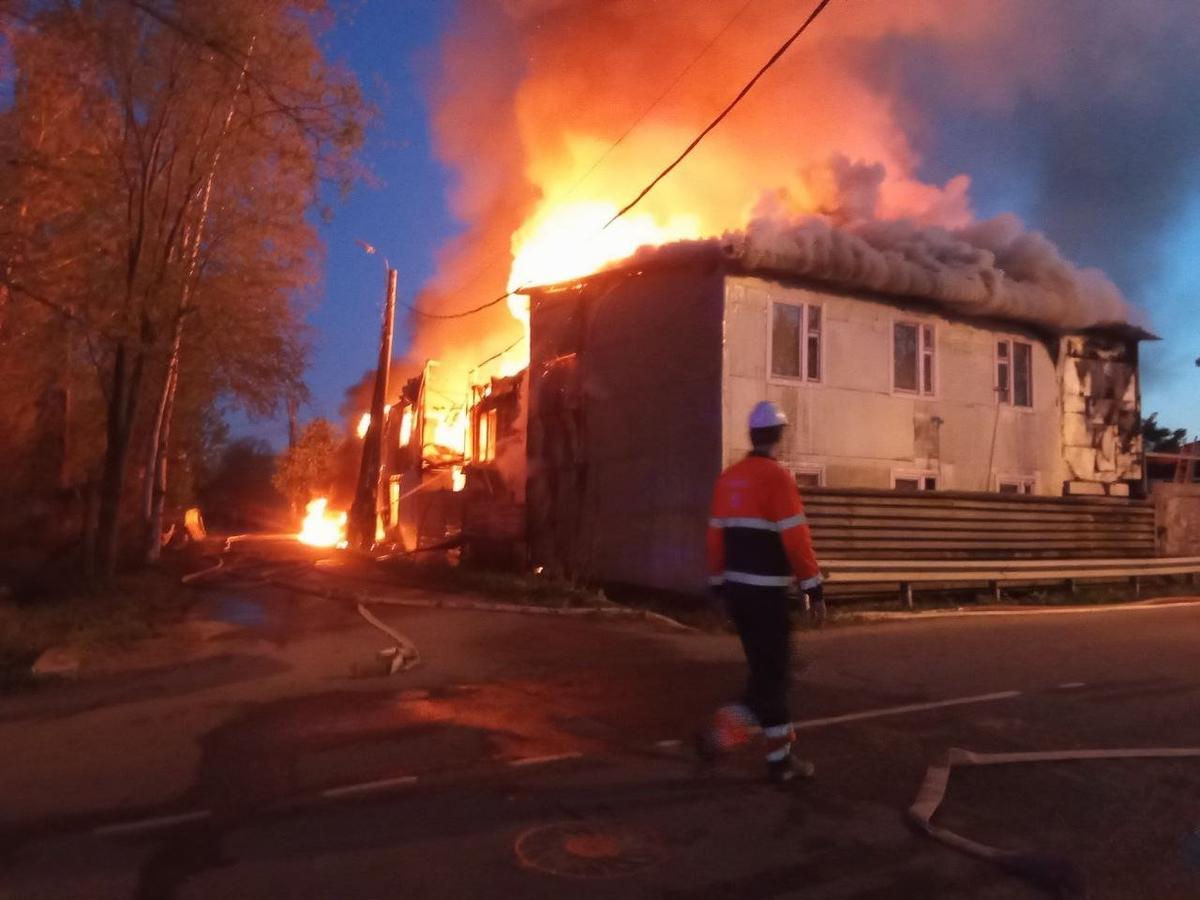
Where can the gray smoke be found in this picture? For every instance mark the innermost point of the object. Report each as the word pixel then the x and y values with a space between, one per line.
pixel 990 268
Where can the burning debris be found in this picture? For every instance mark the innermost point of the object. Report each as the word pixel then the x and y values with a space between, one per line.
pixel 322 527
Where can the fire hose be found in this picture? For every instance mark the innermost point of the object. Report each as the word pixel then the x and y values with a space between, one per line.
pixel 1040 867
pixel 402 655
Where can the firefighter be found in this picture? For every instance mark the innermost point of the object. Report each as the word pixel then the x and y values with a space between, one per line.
pixel 759 543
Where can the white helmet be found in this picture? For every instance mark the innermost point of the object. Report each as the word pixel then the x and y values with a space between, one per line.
pixel 767 415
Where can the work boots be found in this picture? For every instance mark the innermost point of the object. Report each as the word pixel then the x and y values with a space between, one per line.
pixel 788 769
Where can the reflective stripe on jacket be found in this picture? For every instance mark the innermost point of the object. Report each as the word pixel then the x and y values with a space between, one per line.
pixel 758 533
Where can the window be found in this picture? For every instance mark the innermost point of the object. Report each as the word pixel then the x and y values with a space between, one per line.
pixel 485 436
pixel 796 341
pixel 1015 485
pixel 1014 373
pixel 913 364
pixel 914 481
pixel 809 476
pixel 813 344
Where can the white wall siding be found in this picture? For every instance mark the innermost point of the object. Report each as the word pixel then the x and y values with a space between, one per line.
pixel 858 429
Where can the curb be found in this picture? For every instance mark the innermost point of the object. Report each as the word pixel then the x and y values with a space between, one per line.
pixel 1139 606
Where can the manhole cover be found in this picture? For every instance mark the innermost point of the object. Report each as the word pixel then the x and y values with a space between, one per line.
pixel 586 850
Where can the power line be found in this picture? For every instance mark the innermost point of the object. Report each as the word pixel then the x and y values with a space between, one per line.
pixel 496 356
pixel 720 116
pixel 595 165
pixel 465 312
pixel 657 100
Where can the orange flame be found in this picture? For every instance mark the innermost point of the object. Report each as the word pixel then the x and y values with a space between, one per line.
pixel 322 528
pixel 568 241
pixel 449 428
pixel 406 426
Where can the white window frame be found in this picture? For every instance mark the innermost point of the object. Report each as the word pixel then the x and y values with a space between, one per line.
pixel 1026 484
pixel 922 349
pixel 803 377
pixel 918 475
pixel 809 469
pixel 1011 402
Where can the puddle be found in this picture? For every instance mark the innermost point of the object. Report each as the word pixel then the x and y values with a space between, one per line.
pixel 238 611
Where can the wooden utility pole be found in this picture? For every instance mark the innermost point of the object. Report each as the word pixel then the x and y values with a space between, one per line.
pixel 361 524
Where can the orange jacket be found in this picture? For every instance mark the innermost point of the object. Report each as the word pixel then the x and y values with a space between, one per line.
pixel 758 533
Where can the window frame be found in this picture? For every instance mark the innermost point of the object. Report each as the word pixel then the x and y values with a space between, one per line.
pixel 808 469
pixel 924 349
pixel 805 308
pixel 487 422
pixel 1011 361
pixel 1027 485
pixel 920 476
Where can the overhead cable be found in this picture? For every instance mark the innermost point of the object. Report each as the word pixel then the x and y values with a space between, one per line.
pixel 722 114
pixel 595 165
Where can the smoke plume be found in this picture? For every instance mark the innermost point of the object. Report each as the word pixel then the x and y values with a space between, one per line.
pixel 863 141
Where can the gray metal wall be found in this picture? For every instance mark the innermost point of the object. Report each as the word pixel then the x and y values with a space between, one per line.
pixel 625 425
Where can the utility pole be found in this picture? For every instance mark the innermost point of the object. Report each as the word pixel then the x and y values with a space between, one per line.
pixel 364 509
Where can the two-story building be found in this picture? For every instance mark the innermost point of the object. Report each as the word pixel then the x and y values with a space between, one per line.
pixel 641 379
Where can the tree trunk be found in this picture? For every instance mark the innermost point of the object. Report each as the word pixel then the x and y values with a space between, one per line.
pixel 122 406
pixel 156 458
pixel 156 475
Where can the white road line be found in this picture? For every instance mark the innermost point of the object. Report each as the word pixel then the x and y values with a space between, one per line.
pixel 538 760
pixel 902 710
pixel 142 825
pixel 369 787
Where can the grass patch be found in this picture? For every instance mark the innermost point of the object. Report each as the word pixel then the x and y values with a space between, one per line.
pixel 128 609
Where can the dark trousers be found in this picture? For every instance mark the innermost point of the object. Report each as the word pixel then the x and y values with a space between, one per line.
pixel 763 624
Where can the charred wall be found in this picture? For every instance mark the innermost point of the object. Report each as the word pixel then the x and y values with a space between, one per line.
pixel 625 425
pixel 1101 420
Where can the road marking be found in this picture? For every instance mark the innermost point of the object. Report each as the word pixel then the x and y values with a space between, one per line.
pixel 142 825
pixel 1071 685
pixel 369 787
pixel 539 760
pixel 902 710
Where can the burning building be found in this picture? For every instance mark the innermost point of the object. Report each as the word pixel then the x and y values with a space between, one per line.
pixel 915 348
pixel 600 458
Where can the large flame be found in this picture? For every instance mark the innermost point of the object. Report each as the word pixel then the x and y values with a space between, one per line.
pixel 322 527
pixel 406 426
pixel 579 104
pixel 447 428
pixel 570 240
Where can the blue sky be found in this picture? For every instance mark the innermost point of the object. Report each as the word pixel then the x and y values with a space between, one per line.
pixel 392 44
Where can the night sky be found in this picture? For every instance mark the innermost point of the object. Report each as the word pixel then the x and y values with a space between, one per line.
pixel 392 45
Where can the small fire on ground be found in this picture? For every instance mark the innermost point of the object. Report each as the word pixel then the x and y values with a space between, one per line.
pixel 323 527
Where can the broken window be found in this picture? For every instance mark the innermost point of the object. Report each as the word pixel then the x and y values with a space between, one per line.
pixel 1014 373
pixel 796 341
pixel 913 360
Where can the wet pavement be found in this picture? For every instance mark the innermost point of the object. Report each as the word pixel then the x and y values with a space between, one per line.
pixel 533 756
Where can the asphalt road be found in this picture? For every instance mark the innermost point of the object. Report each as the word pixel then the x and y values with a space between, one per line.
pixel 532 756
